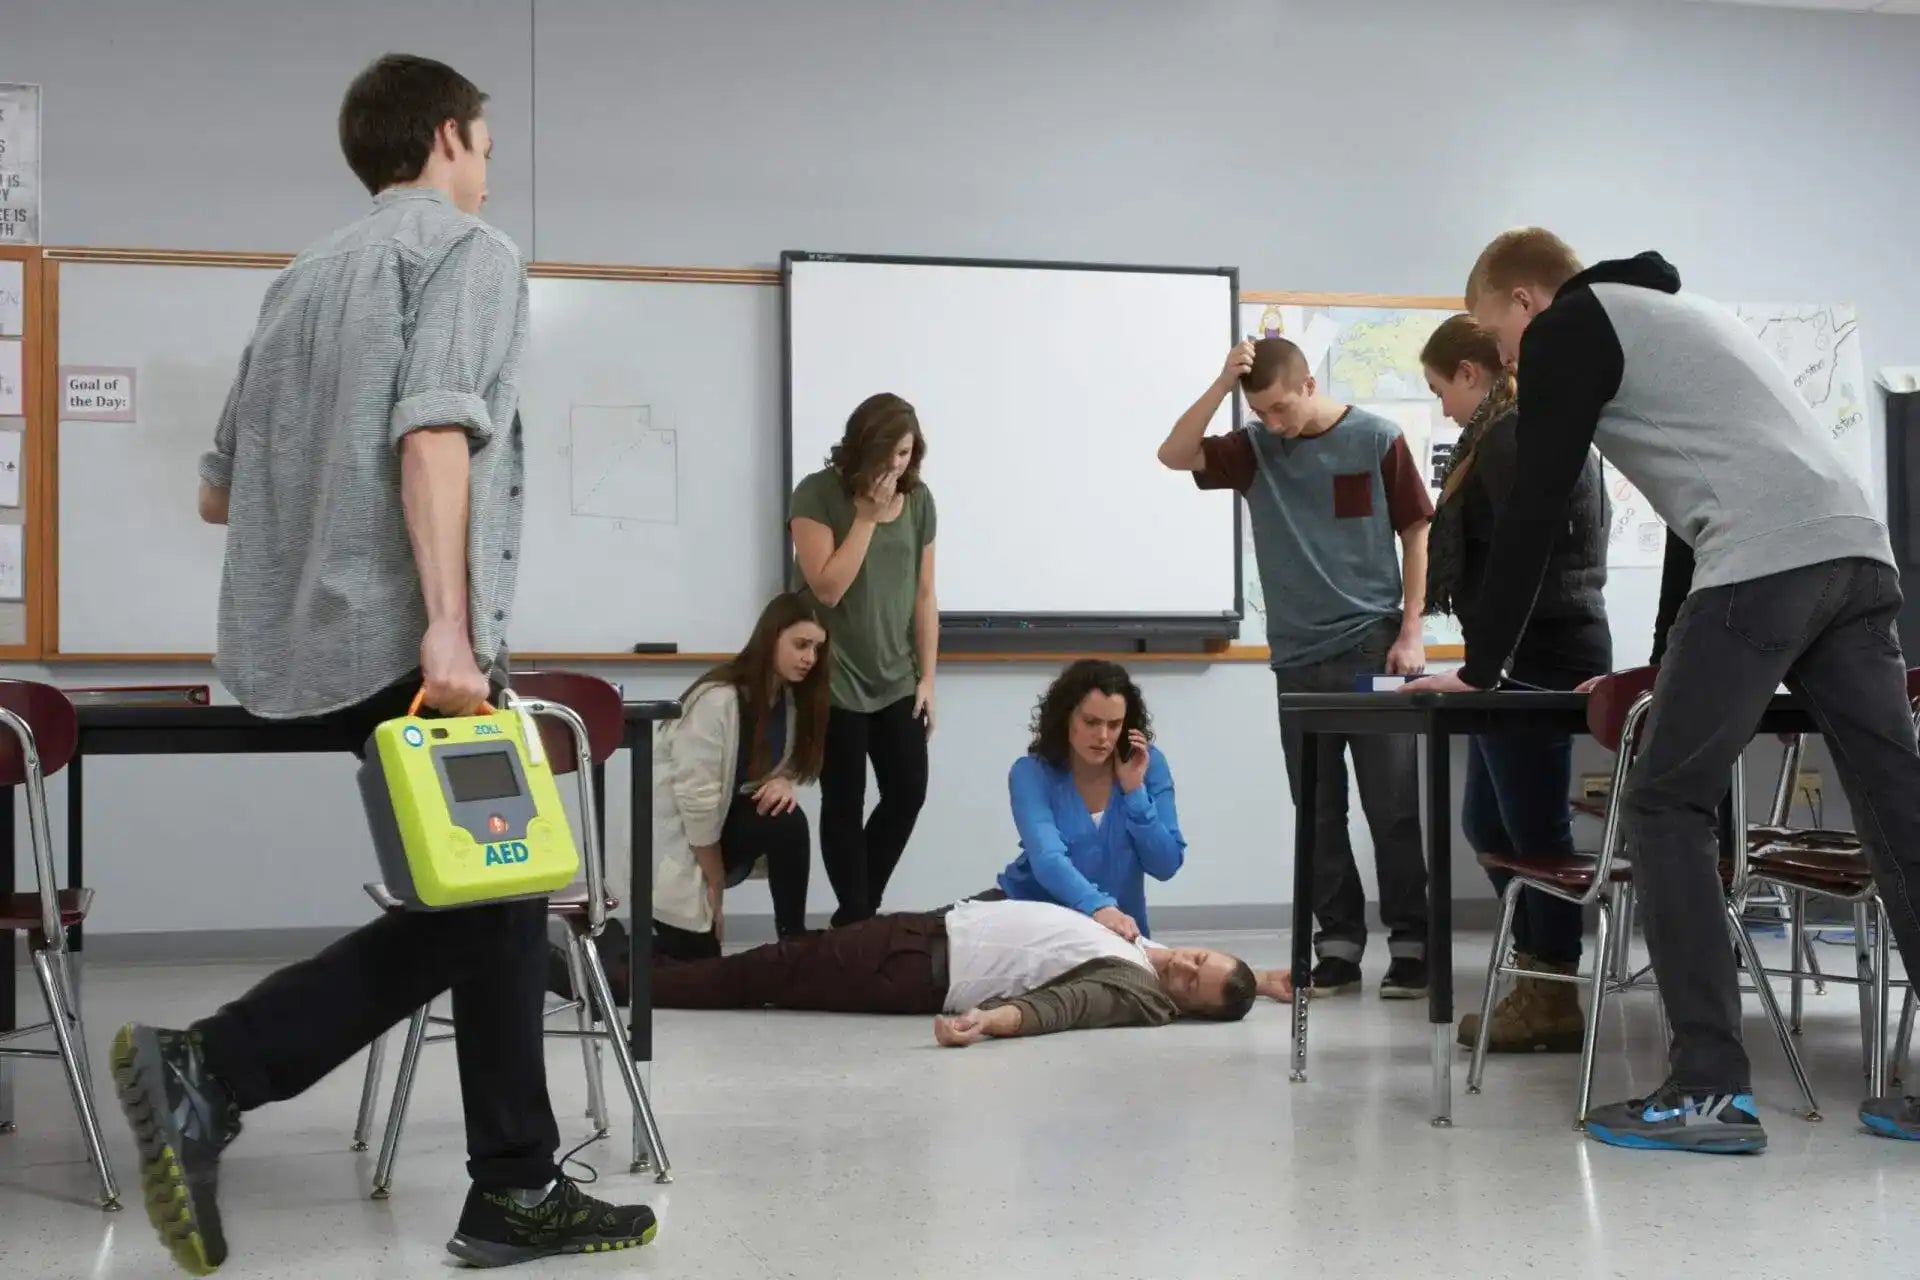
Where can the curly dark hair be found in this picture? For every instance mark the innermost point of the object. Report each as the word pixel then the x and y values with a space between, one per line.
pixel 1057 705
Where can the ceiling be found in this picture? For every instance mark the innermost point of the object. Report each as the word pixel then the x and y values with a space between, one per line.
pixel 1847 6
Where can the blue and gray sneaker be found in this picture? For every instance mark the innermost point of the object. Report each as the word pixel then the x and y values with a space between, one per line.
pixel 1892 1117
pixel 1716 1124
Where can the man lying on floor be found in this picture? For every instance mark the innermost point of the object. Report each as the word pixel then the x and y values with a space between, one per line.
pixel 985 968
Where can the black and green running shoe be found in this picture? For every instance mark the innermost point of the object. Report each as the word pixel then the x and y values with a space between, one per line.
pixel 182 1118
pixel 496 1230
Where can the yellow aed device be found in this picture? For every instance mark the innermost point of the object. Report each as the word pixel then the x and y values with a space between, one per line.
pixel 464 809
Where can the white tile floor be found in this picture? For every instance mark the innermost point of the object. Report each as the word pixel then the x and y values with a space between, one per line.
pixel 851 1147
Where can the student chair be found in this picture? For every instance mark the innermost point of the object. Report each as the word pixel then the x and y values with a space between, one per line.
pixel 1616 713
pixel 581 724
pixel 38 734
pixel 1810 863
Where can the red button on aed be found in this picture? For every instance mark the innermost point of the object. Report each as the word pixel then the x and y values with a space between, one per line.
pixel 496 824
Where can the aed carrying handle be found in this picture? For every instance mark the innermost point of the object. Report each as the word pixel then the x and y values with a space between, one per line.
pixel 420 698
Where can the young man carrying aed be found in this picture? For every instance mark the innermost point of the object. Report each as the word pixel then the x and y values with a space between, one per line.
pixel 1330 488
pixel 368 469
pixel 1787 575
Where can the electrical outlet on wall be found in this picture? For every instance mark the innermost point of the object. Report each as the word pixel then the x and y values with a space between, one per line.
pixel 1596 786
pixel 1806 786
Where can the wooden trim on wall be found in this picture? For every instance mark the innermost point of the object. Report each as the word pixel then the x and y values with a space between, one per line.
pixel 1416 301
pixel 49 558
pixel 538 270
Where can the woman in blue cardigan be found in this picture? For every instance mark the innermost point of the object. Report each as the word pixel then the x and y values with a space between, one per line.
pixel 1093 802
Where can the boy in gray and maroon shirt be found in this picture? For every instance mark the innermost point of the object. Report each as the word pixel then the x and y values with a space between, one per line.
pixel 1330 489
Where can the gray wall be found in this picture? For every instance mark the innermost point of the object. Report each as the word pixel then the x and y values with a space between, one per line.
pixel 1359 146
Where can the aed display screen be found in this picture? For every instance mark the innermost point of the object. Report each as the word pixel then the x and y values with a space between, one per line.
pixel 480 775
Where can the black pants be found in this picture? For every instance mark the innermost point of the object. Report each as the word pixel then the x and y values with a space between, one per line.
pixel 1828 632
pixel 861 851
pixel 1515 803
pixel 888 964
pixel 746 836
pixel 1387 770
pixel 280 1038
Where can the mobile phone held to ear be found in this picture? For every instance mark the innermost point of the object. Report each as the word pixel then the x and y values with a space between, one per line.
pixel 1123 750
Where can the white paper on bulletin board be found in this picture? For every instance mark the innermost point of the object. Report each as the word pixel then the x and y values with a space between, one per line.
pixel 13 578
pixel 11 397
pixel 13 299
pixel 10 442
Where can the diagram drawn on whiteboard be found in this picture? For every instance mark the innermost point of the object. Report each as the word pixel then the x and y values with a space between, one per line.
pixel 623 466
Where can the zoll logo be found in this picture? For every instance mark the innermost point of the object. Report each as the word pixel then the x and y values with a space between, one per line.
pixel 507 852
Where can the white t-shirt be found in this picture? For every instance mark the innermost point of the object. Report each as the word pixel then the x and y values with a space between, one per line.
pixel 998 950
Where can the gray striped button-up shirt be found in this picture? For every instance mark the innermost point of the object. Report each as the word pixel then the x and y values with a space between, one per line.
pixel 414 316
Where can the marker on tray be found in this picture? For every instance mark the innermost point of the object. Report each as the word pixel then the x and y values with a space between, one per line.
pixel 656 647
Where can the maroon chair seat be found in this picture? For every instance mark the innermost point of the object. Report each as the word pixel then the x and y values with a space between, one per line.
pixel 21 911
pixel 1570 873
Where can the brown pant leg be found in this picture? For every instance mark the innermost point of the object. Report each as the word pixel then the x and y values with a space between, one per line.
pixel 881 965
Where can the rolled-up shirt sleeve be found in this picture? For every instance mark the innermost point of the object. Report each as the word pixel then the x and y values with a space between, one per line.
pixel 216 464
pixel 463 332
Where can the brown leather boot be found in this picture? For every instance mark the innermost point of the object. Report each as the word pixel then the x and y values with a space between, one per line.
pixel 1546 1020
pixel 1509 1006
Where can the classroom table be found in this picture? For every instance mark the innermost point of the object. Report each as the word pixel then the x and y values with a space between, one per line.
pixel 1436 719
pixel 230 730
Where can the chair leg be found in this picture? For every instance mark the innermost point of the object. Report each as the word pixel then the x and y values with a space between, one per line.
pixel 1811 958
pixel 1863 970
pixel 616 1034
pixel 68 1035
pixel 1623 937
pixel 1603 931
pixel 70 992
pixel 583 1018
pixel 1877 1072
pixel 1509 902
pixel 6 1097
pixel 397 1109
pixel 1771 1003
pixel 1903 1039
pixel 369 1092
pixel 1796 947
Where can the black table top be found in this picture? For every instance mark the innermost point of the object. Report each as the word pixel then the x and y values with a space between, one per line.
pixel 1482 712
pixel 229 716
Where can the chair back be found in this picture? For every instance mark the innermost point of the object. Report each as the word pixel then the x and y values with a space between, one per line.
pixel 1617 709
pixel 596 702
pixel 1610 702
pixel 50 721
pixel 581 723
pixel 39 732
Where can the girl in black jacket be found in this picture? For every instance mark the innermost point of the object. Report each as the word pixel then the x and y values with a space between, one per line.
pixel 1517 788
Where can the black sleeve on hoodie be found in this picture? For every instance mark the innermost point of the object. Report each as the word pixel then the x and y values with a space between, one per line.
pixel 1676 581
pixel 1570 366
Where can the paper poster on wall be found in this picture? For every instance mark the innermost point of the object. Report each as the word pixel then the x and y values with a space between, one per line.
pixel 10 442
pixel 13 299
pixel 13 577
pixel 1636 536
pixel 1313 334
pixel 19 164
pixel 1819 347
pixel 89 393
pixel 12 399
pixel 1416 422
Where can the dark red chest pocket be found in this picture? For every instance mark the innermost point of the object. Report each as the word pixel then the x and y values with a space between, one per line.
pixel 1353 495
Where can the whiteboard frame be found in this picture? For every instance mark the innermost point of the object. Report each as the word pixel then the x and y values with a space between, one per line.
pixel 999 631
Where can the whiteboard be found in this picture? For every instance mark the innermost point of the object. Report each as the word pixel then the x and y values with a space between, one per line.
pixel 651 419
pixel 1044 393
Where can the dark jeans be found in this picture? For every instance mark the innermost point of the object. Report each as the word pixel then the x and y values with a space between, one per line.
pixel 277 1040
pixel 1515 803
pixel 861 851
pixel 1386 769
pixel 1828 632
pixel 746 836
pixel 887 964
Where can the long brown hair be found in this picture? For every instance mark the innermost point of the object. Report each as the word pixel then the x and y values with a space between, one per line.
pixel 1460 340
pixel 753 674
pixel 873 432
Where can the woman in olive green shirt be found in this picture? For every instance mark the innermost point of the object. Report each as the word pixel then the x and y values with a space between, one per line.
pixel 863 539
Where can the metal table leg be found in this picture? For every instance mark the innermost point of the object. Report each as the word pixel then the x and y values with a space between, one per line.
pixel 1306 786
pixel 1440 922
